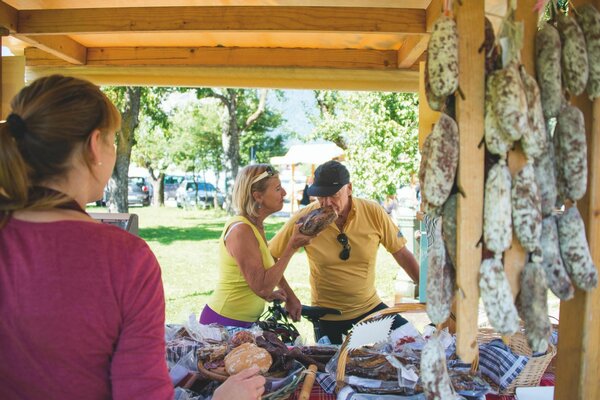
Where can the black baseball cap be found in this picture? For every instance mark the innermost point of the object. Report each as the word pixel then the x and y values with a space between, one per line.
pixel 330 177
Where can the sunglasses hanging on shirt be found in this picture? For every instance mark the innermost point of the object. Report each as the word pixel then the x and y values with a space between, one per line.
pixel 345 253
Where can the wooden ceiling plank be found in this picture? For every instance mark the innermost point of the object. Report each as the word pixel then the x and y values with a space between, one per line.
pixel 223 56
pixel 8 17
pixel 185 19
pixel 433 12
pixel 58 4
pixel 412 49
pixel 60 46
pixel 283 78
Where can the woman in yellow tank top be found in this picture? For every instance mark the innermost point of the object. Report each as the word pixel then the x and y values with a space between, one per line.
pixel 248 274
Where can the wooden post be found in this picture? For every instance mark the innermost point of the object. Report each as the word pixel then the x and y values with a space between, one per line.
pixel 469 116
pixel 578 357
pixel 427 116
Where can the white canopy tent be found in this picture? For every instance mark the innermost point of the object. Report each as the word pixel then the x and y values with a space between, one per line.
pixel 307 153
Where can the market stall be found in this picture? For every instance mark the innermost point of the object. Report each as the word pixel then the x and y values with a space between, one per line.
pixel 359 45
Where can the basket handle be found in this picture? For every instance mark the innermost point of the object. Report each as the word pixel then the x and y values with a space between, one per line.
pixel 343 357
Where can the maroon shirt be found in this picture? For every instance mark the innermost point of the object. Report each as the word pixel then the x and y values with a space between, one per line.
pixel 81 314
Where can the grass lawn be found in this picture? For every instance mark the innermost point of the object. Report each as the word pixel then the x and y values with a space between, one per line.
pixel 185 243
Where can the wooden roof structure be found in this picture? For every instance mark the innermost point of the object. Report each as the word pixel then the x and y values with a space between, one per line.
pixel 310 44
pixel 335 44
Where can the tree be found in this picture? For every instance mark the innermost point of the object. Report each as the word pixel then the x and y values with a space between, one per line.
pixel 131 101
pixel 198 148
pixel 379 132
pixel 242 109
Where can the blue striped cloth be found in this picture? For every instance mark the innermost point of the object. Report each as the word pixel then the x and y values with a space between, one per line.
pixel 499 363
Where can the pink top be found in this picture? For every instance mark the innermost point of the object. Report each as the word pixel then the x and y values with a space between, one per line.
pixel 81 314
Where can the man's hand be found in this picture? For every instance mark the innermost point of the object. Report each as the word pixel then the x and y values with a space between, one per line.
pixel 246 385
pixel 277 295
pixel 294 308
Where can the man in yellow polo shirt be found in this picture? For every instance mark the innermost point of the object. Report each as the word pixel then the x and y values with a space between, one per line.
pixel 342 257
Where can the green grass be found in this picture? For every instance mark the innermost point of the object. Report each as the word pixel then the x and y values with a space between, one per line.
pixel 186 245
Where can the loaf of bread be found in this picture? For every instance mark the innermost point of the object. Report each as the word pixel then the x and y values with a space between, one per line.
pixel 317 220
pixel 245 356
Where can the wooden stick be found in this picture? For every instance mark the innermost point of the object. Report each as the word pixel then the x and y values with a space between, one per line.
pixel 309 380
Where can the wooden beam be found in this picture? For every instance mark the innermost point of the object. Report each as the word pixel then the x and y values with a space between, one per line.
pixel 8 17
pixel 60 46
pixel 58 4
pixel 279 77
pixel 469 116
pixel 432 13
pixel 223 56
pixel 186 19
pixel 412 49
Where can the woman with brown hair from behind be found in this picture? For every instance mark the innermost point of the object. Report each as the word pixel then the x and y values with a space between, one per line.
pixel 82 303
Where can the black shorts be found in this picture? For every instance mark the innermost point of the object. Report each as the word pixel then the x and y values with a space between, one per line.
pixel 335 329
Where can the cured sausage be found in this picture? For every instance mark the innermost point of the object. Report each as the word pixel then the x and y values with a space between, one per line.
pixel 556 275
pixel 434 374
pixel 533 307
pixel 442 57
pixel 574 54
pixel 526 209
pixel 440 167
pixel 575 251
pixel 510 102
pixel 497 209
pixel 589 20
pixel 440 278
pixel 571 152
pixel 497 297
pixel 547 65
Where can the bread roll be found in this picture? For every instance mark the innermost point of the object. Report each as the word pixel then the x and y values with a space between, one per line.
pixel 245 356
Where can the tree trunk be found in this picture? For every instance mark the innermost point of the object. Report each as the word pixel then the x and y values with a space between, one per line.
pixel 158 186
pixel 129 122
pixel 231 143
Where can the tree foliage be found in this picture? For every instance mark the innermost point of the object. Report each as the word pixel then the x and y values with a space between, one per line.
pixel 134 103
pixel 245 121
pixel 379 132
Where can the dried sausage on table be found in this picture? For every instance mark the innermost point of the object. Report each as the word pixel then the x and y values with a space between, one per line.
pixel 434 374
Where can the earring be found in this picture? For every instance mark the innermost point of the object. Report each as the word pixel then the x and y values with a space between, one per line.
pixel 259 206
pixel 99 163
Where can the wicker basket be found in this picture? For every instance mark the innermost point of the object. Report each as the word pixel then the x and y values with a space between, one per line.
pixel 283 393
pixel 535 367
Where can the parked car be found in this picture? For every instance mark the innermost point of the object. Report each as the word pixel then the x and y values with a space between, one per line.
pixel 138 191
pixel 200 194
pixel 172 182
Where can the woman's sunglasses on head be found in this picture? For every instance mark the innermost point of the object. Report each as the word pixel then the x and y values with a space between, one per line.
pixel 268 172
